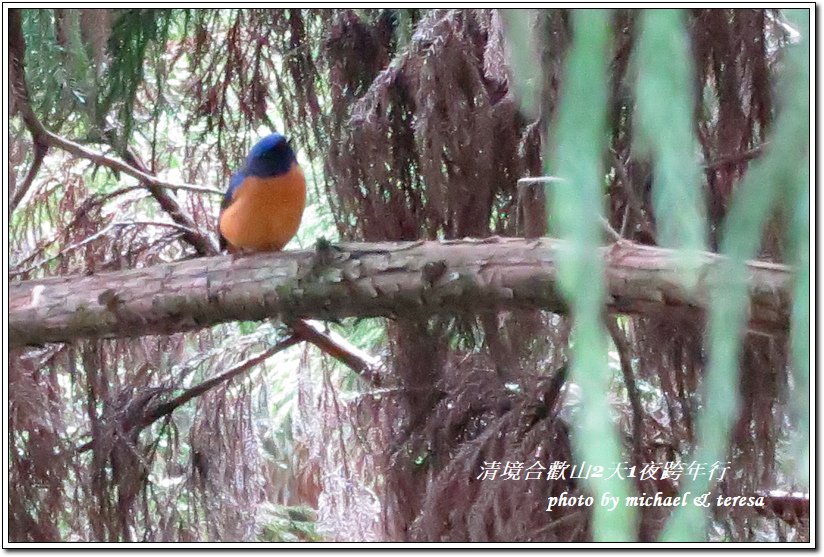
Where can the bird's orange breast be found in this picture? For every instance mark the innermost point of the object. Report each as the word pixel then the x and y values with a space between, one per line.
pixel 265 213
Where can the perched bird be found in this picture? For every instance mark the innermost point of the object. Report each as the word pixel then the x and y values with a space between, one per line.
pixel 262 208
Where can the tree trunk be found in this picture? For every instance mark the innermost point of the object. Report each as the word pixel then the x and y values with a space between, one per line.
pixel 384 279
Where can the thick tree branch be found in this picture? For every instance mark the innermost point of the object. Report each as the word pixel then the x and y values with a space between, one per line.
pixel 387 279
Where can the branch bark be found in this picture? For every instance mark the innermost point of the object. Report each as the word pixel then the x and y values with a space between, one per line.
pixel 385 279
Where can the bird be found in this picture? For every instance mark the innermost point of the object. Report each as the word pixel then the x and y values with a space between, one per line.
pixel 264 202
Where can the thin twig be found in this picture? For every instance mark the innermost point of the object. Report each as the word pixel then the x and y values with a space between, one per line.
pixel 62 252
pixel 93 237
pixel 523 182
pixel 20 191
pixel 112 163
pixel 153 413
pixel 631 196
pixel 203 243
pixel 623 348
pixel 624 221
pixel 173 225
pixel 611 232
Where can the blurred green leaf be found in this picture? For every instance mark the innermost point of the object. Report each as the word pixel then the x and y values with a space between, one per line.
pixel 576 207
pixel 523 53
pixel 783 171
pixel 799 238
pixel 664 116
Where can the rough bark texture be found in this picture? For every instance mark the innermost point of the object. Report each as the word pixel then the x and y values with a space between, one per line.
pixel 378 279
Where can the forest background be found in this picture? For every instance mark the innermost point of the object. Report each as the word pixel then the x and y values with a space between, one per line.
pixel 687 130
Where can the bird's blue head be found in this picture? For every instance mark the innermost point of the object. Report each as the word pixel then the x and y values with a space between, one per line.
pixel 271 156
